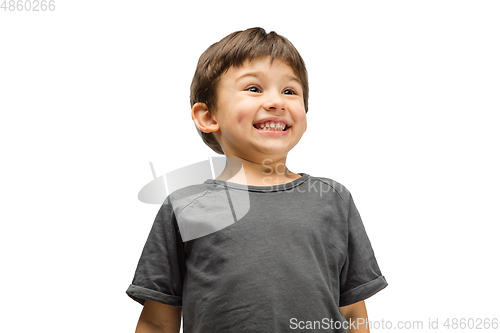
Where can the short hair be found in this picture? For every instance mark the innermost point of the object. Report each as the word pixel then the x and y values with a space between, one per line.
pixel 233 50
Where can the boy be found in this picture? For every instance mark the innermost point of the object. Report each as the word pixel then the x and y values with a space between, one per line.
pixel 260 248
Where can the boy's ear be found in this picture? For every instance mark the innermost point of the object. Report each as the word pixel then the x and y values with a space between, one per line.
pixel 203 118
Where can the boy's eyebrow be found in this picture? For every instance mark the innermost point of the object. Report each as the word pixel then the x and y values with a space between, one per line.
pixel 258 73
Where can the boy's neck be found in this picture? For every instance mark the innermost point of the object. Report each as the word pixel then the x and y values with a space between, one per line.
pixel 267 173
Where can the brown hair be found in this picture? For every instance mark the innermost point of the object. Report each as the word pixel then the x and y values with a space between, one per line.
pixel 233 50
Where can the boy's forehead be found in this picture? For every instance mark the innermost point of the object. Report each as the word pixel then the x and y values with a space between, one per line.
pixel 258 66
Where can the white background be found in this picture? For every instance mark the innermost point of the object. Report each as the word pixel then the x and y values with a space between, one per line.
pixel 404 100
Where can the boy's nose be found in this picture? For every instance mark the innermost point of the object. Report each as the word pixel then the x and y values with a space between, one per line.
pixel 274 102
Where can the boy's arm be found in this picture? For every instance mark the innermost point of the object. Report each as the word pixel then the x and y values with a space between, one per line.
pixel 357 314
pixel 157 317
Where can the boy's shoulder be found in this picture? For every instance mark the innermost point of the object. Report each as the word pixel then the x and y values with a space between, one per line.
pixel 184 196
pixel 335 186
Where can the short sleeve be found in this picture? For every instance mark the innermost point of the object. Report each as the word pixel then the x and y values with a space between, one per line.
pixel 160 271
pixel 360 276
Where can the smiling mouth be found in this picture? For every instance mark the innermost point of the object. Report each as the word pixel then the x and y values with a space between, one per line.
pixel 273 132
pixel 274 129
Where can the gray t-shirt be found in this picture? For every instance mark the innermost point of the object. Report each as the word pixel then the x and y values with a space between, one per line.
pixel 242 258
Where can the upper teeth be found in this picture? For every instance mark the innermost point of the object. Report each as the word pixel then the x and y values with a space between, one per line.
pixel 271 124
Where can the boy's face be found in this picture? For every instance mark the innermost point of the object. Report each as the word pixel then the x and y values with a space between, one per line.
pixel 249 94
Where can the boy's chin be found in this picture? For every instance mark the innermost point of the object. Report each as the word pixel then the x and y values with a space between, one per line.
pixel 273 153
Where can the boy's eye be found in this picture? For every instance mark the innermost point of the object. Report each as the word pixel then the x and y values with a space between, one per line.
pixel 254 89
pixel 289 91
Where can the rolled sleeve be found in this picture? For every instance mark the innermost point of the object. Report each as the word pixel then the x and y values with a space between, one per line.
pixel 160 271
pixel 360 276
